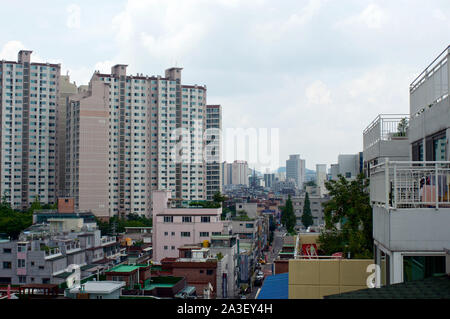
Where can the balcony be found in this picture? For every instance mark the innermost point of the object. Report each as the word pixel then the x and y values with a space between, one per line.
pixel 385 138
pixel 106 240
pixel 411 205
pixel 73 247
pixel 52 253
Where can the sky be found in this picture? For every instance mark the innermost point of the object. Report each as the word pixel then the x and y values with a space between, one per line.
pixel 315 72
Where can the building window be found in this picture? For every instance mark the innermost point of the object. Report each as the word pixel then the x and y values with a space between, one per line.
pixel 45 280
pixel 6 250
pixel 165 247
pixel 20 263
pixel 204 234
pixel 22 279
pixel 205 219
pixel 7 265
pixel 187 219
pixel 185 234
pixel 209 272
pixel 168 219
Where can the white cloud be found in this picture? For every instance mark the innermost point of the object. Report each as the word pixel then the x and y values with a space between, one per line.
pixel 10 49
pixel 372 17
pixel 318 93
pixel 275 29
pixel 74 16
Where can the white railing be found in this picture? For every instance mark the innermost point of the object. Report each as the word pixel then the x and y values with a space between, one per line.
pixel 431 86
pixel 73 247
pixel 52 252
pixel 410 184
pixel 108 240
pixel 383 128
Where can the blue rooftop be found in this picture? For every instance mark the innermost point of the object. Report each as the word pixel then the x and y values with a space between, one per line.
pixel 275 287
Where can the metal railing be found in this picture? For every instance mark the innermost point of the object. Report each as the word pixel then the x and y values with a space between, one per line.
pixel 410 184
pixel 385 127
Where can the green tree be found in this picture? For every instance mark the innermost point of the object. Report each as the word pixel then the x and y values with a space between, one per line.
pixel 350 208
pixel 288 218
pixel 402 127
pixel 219 198
pixel 307 219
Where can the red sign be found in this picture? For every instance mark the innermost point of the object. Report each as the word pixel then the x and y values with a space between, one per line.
pixel 309 250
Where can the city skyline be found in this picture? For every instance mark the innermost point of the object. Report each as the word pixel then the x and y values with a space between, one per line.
pixel 317 72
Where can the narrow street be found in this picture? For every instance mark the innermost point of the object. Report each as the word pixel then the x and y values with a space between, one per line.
pixel 277 245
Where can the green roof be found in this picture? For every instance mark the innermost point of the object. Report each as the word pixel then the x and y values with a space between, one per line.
pixel 429 288
pixel 123 268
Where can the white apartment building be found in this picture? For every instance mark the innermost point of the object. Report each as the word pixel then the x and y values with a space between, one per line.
pixel 410 199
pixel 213 150
pixel 155 139
pixel 295 170
pixel 321 178
pixel 28 106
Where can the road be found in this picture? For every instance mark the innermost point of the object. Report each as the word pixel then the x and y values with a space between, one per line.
pixel 277 245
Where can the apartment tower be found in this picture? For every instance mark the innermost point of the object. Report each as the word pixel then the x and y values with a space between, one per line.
pixel 213 153
pixel 155 128
pixel 295 170
pixel 28 105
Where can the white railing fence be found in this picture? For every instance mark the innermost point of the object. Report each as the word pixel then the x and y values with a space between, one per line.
pixel 410 184
pixel 384 128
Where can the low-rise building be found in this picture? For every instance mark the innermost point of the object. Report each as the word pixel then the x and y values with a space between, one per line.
pixel 174 227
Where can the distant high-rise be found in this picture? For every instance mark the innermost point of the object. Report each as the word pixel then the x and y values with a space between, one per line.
pixel 239 173
pixel 213 150
pixel 28 105
pixel 321 177
pixel 269 180
pixel 295 170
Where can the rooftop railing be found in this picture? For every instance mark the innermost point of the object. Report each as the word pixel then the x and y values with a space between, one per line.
pixel 410 185
pixel 385 127
pixel 108 240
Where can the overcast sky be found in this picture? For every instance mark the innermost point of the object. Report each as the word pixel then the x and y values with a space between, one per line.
pixel 319 70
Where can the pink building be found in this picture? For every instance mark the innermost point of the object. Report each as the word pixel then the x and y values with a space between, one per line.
pixel 87 149
pixel 175 227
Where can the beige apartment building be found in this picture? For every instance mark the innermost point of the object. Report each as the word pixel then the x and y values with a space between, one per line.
pixel 66 89
pixel 146 131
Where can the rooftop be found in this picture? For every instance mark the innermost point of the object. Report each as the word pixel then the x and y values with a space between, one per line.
pixel 102 287
pixel 124 268
pixel 430 288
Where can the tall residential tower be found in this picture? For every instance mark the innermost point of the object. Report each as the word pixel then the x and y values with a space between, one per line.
pixel 28 104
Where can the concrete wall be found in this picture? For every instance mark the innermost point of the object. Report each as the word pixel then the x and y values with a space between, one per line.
pixel 395 150
pixel 314 279
pixel 420 229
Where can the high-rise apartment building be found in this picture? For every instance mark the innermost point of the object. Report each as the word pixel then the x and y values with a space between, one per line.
pixel 66 89
pixel 321 177
pixel 155 138
pixel 239 173
pixel 295 170
pixel 226 173
pixel 28 105
pixel 87 149
pixel 213 150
